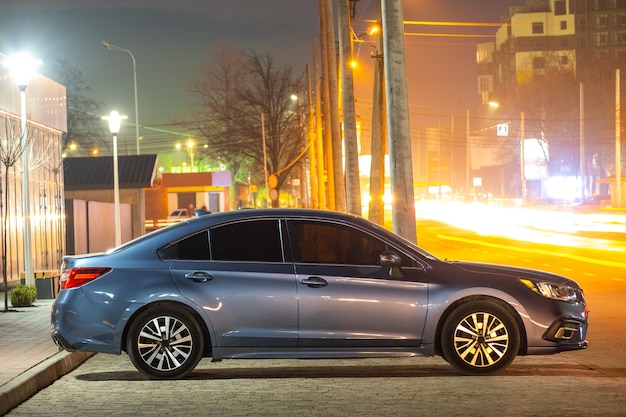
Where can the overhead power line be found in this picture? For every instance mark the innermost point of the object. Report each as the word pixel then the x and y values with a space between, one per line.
pixel 438 23
pixel 448 35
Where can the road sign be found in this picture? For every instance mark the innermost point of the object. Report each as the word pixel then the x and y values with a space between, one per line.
pixel 273 194
pixel 503 129
pixel 273 181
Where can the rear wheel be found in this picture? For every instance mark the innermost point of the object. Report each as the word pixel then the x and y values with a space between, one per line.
pixel 480 337
pixel 165 342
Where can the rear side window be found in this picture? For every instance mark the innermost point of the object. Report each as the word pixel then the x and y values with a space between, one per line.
pixel 192 248
pixel 254 241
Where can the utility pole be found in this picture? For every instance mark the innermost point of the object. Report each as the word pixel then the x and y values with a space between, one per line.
pixel 326 111
pixel 319 136
pixel 583 185
pixel 379 135
pixel 522 158
pixel 311 143
pixel 333 98
pixel 403 211
pixel 450 163
pixel 618 139
pixel 353 186
pixel 265 173
pixel 468 155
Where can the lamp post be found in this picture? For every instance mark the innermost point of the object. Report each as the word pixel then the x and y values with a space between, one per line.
pixel 190 146
pixel 23 68
pixel 141 195
pixel 111 47
pixel 302 195
pixel 115 122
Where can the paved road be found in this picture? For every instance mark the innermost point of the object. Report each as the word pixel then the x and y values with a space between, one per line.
pixel 533 386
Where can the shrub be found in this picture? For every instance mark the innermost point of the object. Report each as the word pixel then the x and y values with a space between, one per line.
pixel 23 296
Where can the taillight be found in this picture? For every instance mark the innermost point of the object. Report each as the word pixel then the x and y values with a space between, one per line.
pixel 72 278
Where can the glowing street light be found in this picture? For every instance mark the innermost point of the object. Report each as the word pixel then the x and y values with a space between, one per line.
pixel 111 47
pixel 190 146
pixel 23 68
pixel 190 149
pixel 115 122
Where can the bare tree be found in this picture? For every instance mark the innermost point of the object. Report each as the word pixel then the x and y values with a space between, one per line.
pixel 12 147
pixel 84 126
pixel 236 92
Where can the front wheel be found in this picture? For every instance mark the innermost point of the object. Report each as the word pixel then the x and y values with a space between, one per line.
pixel 165 342
pixel 480 337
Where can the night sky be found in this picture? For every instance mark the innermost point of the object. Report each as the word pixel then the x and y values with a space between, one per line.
pixel 172 40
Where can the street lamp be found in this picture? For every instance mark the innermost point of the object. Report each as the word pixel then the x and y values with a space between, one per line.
pixel 111 47
pixel 141 195
pixel 115 122
pixel 190 146
pixel 301 182
pixel 23 68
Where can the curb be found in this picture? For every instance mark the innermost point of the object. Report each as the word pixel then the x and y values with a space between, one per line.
pixel 27 384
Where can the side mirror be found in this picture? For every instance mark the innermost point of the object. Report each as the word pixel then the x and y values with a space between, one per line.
pixel 391 260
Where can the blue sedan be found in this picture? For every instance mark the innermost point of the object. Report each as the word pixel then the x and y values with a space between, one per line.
pixel 296 283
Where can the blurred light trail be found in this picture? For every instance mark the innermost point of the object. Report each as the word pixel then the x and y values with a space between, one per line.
pixel 546 226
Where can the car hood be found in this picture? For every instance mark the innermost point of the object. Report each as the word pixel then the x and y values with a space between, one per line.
pixel 513 271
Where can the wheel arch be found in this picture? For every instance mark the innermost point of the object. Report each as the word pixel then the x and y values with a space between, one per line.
pixel 515 314
pixel 194 313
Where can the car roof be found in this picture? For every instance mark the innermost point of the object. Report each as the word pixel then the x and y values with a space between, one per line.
pixel 171 233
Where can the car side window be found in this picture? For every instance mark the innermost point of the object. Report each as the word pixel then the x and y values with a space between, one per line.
pixel 193 248
pixel 331 243
pixel 253 240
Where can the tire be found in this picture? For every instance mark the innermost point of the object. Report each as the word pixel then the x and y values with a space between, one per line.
pixel 165 342
pixel 480 337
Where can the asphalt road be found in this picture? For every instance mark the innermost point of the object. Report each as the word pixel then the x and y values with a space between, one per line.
pixel 581 383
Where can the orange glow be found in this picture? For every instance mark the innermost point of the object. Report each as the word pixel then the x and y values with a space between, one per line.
pixel 373 30
pixel 548 226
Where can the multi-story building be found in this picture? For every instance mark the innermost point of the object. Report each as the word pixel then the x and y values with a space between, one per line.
pixel 600 30
pixel 533 38
pixel 582 40
pixel 46 122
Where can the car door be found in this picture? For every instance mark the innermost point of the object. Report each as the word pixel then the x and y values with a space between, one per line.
pixel 345 298
pixel 236 274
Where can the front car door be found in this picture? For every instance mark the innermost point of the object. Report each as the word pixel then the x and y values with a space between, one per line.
pixel 347 300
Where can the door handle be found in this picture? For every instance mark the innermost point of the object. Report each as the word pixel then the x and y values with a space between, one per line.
pixel 314 282
pixel 199 276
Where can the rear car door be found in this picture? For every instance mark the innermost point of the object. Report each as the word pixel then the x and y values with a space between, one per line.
pixel 237 275
pixel 345 298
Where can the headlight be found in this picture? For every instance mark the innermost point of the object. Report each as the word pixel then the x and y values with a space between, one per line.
pixel 550 290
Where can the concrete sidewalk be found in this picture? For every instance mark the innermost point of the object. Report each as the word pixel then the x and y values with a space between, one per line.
pixel 29 360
